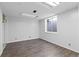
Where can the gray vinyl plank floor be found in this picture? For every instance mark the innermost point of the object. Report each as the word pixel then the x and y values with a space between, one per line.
pixel 36 48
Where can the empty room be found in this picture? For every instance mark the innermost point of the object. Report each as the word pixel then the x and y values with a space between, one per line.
pixel 39 29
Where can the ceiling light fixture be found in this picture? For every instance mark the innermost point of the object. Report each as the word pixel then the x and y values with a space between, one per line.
pixel 34 11
pixel 53 3
pixel 29 15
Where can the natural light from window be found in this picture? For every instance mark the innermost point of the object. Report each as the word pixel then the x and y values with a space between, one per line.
pixel 51 24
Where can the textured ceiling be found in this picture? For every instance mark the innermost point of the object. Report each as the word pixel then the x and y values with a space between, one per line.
pixel 15 9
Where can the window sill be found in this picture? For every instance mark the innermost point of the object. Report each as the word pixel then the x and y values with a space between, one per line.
pixel 52 32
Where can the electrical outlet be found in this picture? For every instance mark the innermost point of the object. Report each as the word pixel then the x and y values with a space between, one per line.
pixel 29 36
pixel 15 38
pixel 69 44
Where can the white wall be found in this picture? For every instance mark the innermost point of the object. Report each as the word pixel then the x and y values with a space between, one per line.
pixel 1 33
pixel 21 29
pixel 68 30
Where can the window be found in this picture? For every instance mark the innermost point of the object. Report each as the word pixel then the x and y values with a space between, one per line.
pixel 51 24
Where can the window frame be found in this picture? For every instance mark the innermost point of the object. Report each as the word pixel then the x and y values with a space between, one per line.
pixel 46 24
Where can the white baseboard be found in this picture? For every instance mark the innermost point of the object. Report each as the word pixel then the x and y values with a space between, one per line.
pixel 20 40
pixel 61 46
pixel 2 50
pixel 1 53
